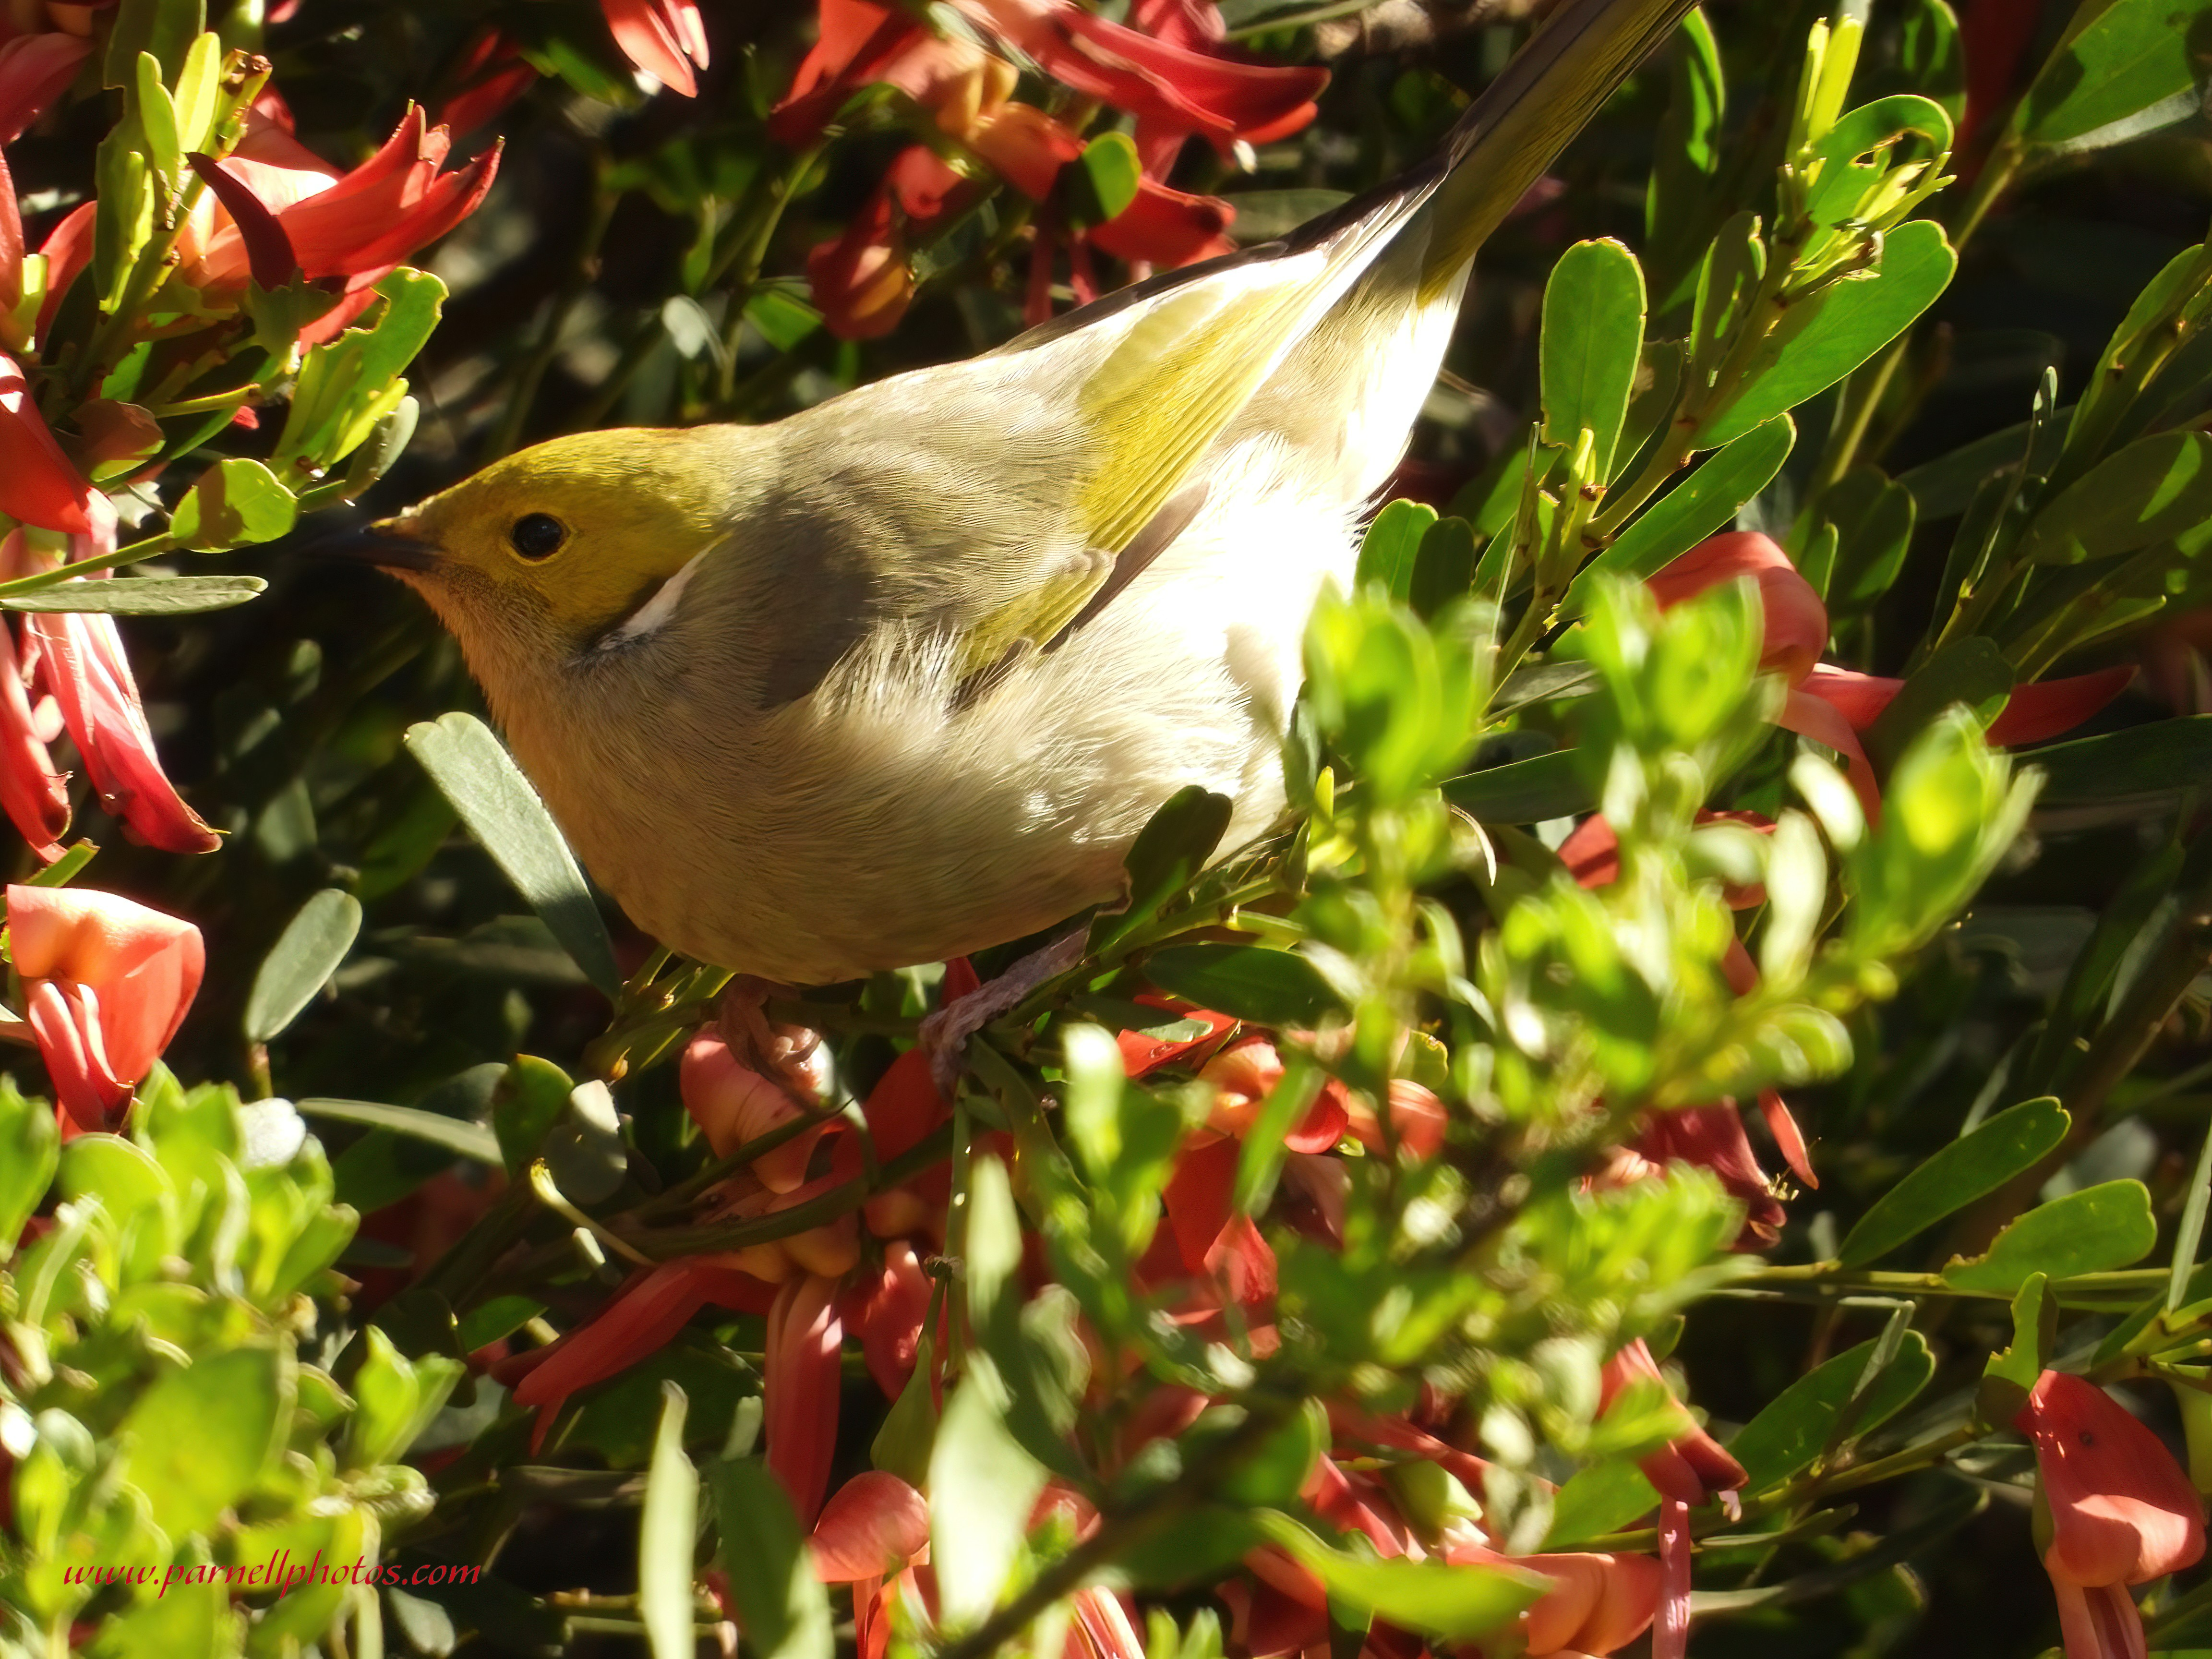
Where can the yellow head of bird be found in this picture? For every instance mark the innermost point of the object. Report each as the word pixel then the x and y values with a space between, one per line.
pixel 544 552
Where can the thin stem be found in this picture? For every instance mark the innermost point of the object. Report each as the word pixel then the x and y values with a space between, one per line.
pixel 1863 395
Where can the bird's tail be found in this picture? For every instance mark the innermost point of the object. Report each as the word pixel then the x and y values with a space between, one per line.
pixel 1575 61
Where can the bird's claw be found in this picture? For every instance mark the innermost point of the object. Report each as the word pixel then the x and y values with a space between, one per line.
pixel 944 1034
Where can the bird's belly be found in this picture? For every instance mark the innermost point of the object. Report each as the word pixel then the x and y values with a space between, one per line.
pixel 874 825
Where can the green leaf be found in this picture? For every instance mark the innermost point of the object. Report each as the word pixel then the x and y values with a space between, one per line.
pixel 157 116
pixel 466 1139
pixel 1523 791
pixel 1592 340
pixel 1601 1499
pixel 396 1398
pixel 1874 132
pixel 1112 171
pixel 1831 333
pixel 1874 517
pixel 2097 1229
pixel 2156 488
pixel 301 962
pixel 1931 58
pixel 2164 757
pixel 139 596
pixel 487 789
pixel 1273 988
pixel 1171 849
pixel 782 319
pixel 2009 1376
pixel 1955 1176
pixel 201 1438
pixel 66 868
pixel 1687 155
pixel 2190 1233
pixel 1701 504
pixel 981 1486
pixel 1971 671
pixel 235 503
pixel 2132 55
pixel 30 1150
pixel 165 28
pixel 531 1097
pixel 666 1534
pixel 1457 1603
pixel 1389 551
pixel 1444 569
pixel 786 1609
pixel 1793 1427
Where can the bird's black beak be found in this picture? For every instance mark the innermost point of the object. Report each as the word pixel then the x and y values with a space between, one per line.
pixel 376 543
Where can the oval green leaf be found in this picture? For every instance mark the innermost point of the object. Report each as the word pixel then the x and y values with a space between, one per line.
pixel 666 1534
pixel 2098 1230
pixel 763 1555
pixel 1592 340
pixel 1391 546
pixel 2157 487
pixel 1790 1432
pixel 1455 1602
pixel 200 1437
pixel 455 1134
pixel 1843 324
pixel 301 962
pixel 1523 791
pixel 487 789
pixel 1955 1176
pixel 2133 55
pixel 139 596
pixel 235 503
pixel 1273 988
pixel 2163 757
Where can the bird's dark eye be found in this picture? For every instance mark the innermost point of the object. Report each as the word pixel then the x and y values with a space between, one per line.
pixel 536 535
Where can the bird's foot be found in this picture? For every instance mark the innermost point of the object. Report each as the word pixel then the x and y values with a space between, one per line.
pixel 944 1034
pixel 782 1054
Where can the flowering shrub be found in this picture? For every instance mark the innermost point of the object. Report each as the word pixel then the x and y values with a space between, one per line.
pixel 1688 1134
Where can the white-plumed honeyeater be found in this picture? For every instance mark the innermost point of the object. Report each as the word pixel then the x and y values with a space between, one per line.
pixel 902 676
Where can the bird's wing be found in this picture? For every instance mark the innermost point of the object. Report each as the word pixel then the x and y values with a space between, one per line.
pixel 1106 414
pixel 1146 393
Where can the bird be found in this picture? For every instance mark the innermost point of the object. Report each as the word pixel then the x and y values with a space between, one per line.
pixel 902 676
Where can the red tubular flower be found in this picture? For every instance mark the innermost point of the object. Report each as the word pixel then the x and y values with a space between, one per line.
pixel 874 1525
pixel 2122 1511
pixel 1833 705
pixel 1166 226
pixel 34 71
pixel 1712 1137
pixel 860 282
pixel 799 1389
pixel 34 796
pixel 642 1318
pixel 107 982
pixel 1596 1603
pixel 78 657
pixel 38 485
pixel 663 37
pixel 732 1104
pixel 1694 1466
pixel 491 76
pixel 887 1312
pixel 1225 100
pixel 67 251
pixel 354 226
